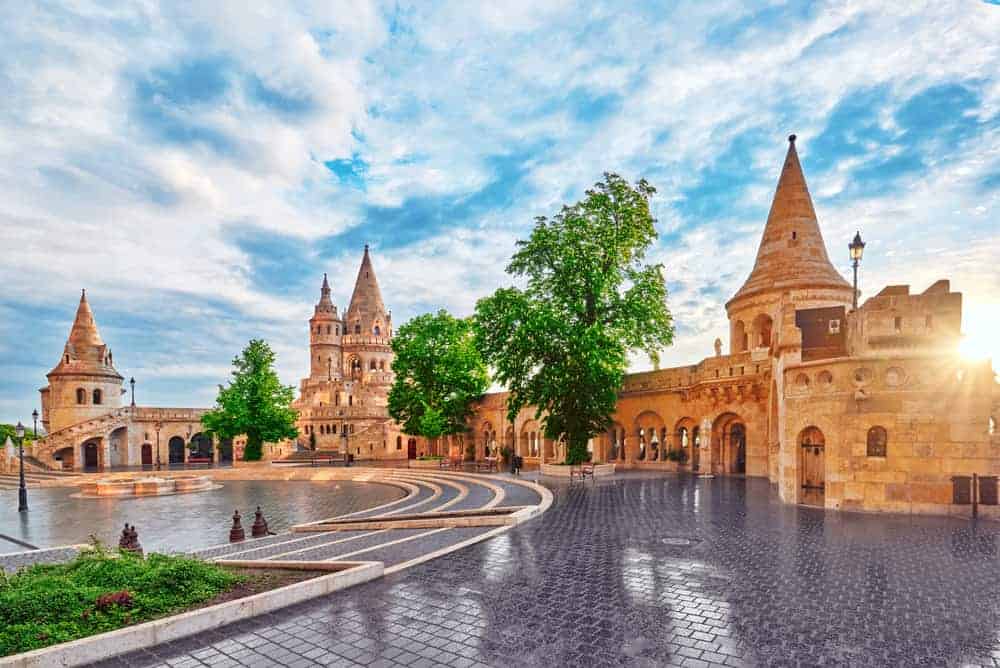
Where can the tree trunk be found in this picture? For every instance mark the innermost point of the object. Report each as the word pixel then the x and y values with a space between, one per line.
pixel 253 450
pixel 576 449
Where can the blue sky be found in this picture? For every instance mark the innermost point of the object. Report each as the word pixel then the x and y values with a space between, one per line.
pixel 198 170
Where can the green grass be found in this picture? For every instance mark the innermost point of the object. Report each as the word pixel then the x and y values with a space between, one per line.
pixel 48 604
pixel 430 458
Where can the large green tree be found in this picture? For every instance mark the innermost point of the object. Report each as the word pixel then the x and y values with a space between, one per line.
pixel 562 342
pixel 439 373
pixel 255 403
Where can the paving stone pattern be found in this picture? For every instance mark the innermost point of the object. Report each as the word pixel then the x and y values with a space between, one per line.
pixel 651 571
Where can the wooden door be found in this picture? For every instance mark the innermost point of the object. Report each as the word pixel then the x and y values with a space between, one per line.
pixel 813 466
pixel 411 449
pixel 147 454
pixel 90 459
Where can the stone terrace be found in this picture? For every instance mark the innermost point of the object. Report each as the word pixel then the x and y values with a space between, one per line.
pixel 651 571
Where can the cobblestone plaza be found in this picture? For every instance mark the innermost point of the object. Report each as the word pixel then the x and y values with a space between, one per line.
pixel 650 571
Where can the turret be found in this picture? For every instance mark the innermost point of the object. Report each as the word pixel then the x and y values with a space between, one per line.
pixel 368 340
pixel 84 384
pixel 325 335
pixel 792 265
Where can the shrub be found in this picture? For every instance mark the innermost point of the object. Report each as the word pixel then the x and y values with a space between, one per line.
pixel 47 604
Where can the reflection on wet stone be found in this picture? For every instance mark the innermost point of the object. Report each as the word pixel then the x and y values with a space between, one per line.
pixel 592 582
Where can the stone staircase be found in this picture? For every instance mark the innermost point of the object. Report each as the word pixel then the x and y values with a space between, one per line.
pixel 32 477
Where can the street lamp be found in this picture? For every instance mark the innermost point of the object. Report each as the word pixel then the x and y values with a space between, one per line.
pixel 157 426
pixel 857 249
pixel 22 491
pixel 131 381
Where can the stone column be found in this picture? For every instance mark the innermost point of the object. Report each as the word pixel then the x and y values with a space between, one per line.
pixel 705 433
pixel 104 462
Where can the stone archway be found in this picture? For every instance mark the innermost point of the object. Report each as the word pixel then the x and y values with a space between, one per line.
pixel 684 432
pixel 175 450
pixel 201 448
pixel 91 453
pixel 729 444
pixel 651 436
pixel 118 440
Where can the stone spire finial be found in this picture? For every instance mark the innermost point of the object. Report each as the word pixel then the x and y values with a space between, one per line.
pixel 792 253
pixel 84 331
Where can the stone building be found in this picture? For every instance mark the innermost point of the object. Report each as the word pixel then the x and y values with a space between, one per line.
pixel 868 409
pixel 343 404
pixel 88 427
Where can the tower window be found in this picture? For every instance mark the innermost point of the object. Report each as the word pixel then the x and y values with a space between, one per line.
pixel 357 328
pixel 67 359
pixel 328 329
pixel 897 323
pixel 97 397
pixel 81 396
pixel 794 235
pixel 377 330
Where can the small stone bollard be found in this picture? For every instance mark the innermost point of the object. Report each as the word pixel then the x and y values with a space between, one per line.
pixel 236 534
pixel 129 542
pixel 259 528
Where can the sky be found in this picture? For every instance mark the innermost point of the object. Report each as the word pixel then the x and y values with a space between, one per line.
pixel 198 166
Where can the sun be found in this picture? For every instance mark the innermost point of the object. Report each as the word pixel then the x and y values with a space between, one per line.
pixel 980 340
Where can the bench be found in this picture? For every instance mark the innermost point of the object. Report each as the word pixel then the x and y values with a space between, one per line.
pixel 582 471
pixel 489 464
pixel 199 460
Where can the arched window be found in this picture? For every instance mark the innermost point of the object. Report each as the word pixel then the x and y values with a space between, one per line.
pixel 67 359
pixel 357 328
pixel 328 329
pixel 336 329
pixel 642 444
pixel 381 365
pixel 81 396
pixel 877 439
pixel 682 437
pixel 377 330
pixel 373 365
pixel 350 399
pixel 97 397
pixel 399 442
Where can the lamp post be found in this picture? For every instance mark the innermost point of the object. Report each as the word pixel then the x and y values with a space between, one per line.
pixel 22 490
pixel 857 249
pixel 131 381
pixel 157 426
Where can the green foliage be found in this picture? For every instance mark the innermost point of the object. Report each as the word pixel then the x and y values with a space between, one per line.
pixel 47 604
pixel 10 430
pixel 255 403
pixel 439 373
pixel 562 342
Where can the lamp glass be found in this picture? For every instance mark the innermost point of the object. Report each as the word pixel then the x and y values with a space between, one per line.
pixel 19 430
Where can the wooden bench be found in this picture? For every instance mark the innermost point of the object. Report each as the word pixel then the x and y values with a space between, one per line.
pixel 489 464
pixel 581 470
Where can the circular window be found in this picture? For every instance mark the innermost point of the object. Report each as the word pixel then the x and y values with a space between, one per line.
pixel 862 375
pixel 895 376
pixel 801 382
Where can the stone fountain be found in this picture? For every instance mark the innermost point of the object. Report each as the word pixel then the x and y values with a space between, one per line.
pixel 146 486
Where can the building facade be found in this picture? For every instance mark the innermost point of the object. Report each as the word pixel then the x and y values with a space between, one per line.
pixel 343 403
pixel 866 409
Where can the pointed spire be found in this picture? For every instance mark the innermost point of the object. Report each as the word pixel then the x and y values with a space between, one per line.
pixel 84 331
pixel 366 301
pixel 325 305
pixel 792 253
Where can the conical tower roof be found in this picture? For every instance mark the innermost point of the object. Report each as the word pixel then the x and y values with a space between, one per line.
pixel 85 351
pixel 325 308
pixel 84 331
pixel 792 253
pixel 366 306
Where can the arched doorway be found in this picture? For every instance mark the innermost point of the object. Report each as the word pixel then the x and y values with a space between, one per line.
pixel 812 445
pixel 91 456
pixel 147 455
pixel 411 448
pixel 729 444
pixel 696 448
pixel 175 450
pixel 201 448
pixel 226 451
pixel 118 441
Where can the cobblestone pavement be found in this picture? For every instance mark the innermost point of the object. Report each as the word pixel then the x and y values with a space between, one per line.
pixel 650 571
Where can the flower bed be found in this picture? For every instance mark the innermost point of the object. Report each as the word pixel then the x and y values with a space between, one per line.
pixel 99 591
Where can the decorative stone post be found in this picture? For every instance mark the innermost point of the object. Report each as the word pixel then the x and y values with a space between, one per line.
pixel 236 533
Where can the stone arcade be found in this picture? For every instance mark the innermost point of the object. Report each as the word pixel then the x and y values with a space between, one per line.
pixel 869 409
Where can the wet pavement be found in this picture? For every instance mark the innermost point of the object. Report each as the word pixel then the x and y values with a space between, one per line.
pixel 181 522
pixel 649 571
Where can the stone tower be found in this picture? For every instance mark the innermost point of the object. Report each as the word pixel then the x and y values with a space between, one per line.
pixel 84 384
pixel 792 266
pixel 367 343
pixel 325 332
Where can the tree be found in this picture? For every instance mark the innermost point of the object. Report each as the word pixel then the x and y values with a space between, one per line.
pixel 439 373
pixel 562 343
pixel 255 403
